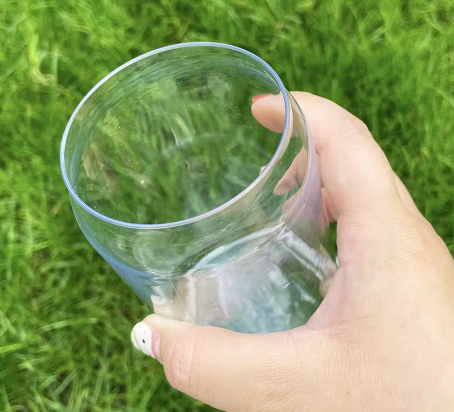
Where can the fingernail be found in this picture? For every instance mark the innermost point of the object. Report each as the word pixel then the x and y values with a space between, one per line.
pixel 260 96
pixel 145 340
pixel 282 189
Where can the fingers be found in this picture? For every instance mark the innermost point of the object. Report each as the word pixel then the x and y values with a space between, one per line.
pixel 407 199
pixel 354 170
pixel 294 175
pixel 228 370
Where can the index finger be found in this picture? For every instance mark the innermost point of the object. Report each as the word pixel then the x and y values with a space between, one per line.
pixel 354 170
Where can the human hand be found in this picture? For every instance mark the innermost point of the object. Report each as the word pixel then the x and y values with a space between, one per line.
pixel 382 339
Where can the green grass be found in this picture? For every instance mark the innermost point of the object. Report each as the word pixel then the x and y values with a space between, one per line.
pixel 65 317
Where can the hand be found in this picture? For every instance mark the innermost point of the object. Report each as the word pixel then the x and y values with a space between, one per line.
pixel 383 338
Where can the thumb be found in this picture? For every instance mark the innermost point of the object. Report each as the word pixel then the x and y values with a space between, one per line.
pixel 225 369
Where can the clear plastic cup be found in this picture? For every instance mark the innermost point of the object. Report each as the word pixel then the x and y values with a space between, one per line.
pixel 206 214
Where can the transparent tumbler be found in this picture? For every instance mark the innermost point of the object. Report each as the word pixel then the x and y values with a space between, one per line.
pixel 209 216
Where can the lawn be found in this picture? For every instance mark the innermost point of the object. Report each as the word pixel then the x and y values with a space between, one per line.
pixel 65 317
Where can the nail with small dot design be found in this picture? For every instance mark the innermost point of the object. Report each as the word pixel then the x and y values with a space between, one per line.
pixel 142 338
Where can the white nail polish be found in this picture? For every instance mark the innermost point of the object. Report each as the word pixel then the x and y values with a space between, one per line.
pixel 141 338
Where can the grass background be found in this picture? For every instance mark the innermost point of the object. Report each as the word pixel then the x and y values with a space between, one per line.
pixel 65 317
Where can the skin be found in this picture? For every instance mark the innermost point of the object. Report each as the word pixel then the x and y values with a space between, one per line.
pixel 383 338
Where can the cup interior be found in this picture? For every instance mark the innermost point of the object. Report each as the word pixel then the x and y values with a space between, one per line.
pixel 170 136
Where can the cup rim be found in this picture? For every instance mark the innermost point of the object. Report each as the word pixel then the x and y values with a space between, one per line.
pixel 214 211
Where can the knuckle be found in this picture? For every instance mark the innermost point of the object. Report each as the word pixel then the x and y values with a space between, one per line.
pixel 179 369
pixel 413 243
pixel 357 126
pixel 419 241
